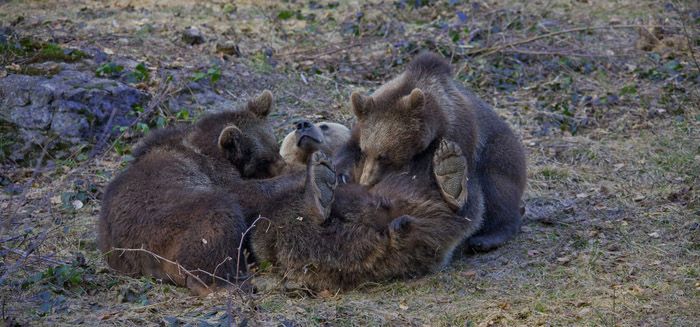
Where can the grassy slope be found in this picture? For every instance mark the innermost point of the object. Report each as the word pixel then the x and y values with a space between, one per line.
pixel 611 235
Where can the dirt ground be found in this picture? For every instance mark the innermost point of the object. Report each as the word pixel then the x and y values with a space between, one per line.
pixel 605 95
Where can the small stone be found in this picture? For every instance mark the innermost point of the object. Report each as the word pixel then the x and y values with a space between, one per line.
pixel 584 312
pixel 228 48
pixel 77 204
pixel 192 36
pixel 654 235
pixel 564 259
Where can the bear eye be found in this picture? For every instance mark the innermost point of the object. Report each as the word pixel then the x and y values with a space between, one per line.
pixel 382 158
pixel 324 127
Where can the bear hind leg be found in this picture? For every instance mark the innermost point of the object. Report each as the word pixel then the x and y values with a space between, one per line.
pixel 450 170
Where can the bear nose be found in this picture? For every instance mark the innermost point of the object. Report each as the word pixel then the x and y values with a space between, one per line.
pixel 303 125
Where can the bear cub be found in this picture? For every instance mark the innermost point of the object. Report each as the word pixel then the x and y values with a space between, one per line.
pixel 399 128
pixel 190 194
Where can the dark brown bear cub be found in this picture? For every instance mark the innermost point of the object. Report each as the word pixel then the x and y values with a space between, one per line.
pixel 189 196
pixel 400 125
pixel 328 238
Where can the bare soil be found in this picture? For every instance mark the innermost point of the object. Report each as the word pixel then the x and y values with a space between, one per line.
pixel 605 95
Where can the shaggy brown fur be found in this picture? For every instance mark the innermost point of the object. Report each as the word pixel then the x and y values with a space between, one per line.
pixel 190 194
pixel 400 125
pixel 396 229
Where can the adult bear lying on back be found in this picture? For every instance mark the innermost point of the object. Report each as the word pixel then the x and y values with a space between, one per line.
pixel 398 130
pixel 191 193
pixel 331 239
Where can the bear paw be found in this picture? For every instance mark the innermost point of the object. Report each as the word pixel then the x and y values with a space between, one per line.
pixel 450 169
pixel 320 184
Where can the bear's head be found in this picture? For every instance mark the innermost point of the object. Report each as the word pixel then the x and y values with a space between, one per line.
pixel 246 138
pixel 394 127
pixel 307 138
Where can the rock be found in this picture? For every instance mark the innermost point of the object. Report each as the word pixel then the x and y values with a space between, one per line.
pixel 192 36
pixel 68 109
pixel 228 48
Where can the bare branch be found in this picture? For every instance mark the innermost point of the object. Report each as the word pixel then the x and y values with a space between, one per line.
pixel 498 48
pixel 158 257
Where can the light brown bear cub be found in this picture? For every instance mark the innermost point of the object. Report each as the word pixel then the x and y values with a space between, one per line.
pixel 190 194
pixel 398 131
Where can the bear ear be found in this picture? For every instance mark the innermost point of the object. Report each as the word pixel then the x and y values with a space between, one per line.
pixel 415 100
pixel 360 104
pixel 230 139
pixel 261 105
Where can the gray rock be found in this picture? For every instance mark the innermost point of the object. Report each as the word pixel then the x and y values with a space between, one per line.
pixel 68 109
pixel 192 36
pixel 32 117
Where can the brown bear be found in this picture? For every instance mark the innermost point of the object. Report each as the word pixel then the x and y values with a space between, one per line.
pixel 398 130
pixel 308 138
pixel 190 194
pixel 332 238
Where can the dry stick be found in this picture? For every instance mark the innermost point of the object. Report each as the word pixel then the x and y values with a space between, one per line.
pixel 28 255
pixel 688 38
pixel 240 244
pixel 491 50
pixel 158 257
pixel 560 53
pixel 325 52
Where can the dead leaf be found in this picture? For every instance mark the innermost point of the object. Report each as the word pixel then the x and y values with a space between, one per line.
pixel 403 307
pixel 638 198
pixel 469 273
pixel 13 67
pixel 654 235
pixel 563 259
pixel 325 294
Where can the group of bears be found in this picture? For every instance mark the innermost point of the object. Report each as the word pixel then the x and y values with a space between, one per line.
pixel 426 168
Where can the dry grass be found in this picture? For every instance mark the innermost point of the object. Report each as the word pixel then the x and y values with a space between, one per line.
pixel 612 232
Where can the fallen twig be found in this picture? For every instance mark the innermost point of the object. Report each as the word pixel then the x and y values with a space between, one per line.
pixel 240 244
pixel 561 53
pixel 179 266
pixel 28 255
pixel 494 49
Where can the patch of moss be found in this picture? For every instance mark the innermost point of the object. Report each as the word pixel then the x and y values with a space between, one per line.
pixel 53 52
pixel 40 71
pixel 29 50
